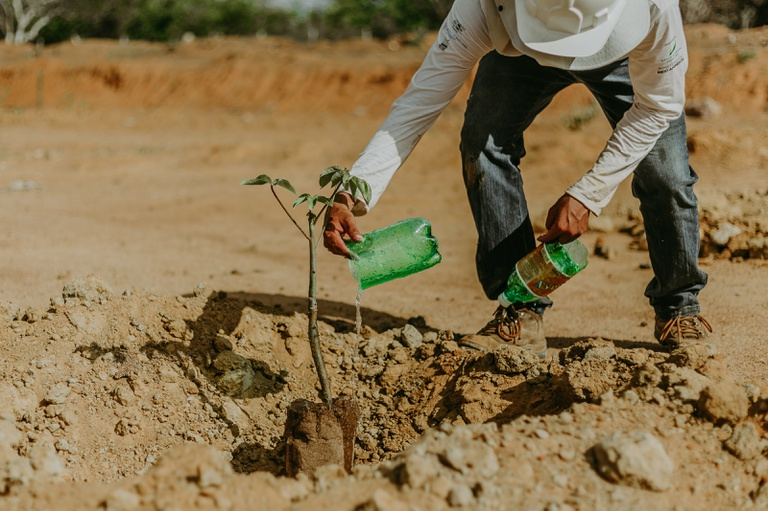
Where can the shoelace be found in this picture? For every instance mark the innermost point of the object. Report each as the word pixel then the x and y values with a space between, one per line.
pixel 686 327
pixel 507 324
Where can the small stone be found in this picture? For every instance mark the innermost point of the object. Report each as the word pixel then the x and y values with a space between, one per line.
pixel 460 495
pixel 724 402
pixel 45 460
pixel 177 329
pixel 510 359
pixel 411 337
pixel 382 500
pixel 471 457
pixel 58 394
pixel 745 442
pixel 223 343
pixel 122 500
pixel 123 394
pixel 90 289
pixel 229 361
pixel 418 470
pixel 600 353
pixel 723 235
pixel 635 459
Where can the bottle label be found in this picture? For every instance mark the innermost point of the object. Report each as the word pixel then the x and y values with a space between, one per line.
pixel 539 273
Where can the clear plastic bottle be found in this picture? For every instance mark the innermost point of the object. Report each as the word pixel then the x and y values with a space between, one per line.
pixel 401 249
pixel 543 270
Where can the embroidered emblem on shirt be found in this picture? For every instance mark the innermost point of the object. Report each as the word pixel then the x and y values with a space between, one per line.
pixel 672 56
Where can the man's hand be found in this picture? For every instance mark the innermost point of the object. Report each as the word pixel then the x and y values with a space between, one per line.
pixel 566 220
pixel 340 222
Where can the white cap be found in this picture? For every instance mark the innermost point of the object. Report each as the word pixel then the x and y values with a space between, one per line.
pixel 579 28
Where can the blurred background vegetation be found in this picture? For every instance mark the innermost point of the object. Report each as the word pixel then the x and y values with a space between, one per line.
pixel 52 21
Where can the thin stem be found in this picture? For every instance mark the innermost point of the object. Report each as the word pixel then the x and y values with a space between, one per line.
pixel 320 213
pixel 314 337
pixel 308 237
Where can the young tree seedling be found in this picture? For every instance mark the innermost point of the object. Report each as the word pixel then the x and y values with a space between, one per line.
pixel 338 178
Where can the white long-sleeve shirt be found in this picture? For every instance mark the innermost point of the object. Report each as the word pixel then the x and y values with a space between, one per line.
pixel 657 67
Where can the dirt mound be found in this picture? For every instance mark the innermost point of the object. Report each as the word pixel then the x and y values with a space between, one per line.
pixel 178 402
pixel 269 74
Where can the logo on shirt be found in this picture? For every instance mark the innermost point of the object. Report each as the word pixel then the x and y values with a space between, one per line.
pixel 672 56
pixel 451 32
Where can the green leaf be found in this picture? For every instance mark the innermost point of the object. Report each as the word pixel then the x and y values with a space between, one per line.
pixel 361 186
pixel 285 184
pixel 261 180
pixel 325 200
pixel 304 197
pixel 338 177
pixel 327 175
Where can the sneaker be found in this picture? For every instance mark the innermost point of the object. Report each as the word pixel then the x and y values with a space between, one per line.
pixel 682 330
pixel 519 327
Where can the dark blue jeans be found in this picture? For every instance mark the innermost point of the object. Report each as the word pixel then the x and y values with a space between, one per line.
pixel 507 94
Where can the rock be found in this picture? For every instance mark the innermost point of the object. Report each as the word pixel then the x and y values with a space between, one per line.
pixel 686 384
pixel 45 460
pixel 460 495
pixel 411 337
pixel 724 233
pixel 471 458
pixel 724 402
pixel 418 470
pixel 635 459
pixel 600 353
pixel 123 394
pixel 10 439
pixel 510 359
pixel 761 497
pixel 745 442
pixel 238 421
pixel 382 500
pixel 237 374
pixel 223 343
pixel 57 395
pixel 121 500
pixel 16 401
pixel 229 360
pixel 15 473
pixel 177 329
pixel 90 289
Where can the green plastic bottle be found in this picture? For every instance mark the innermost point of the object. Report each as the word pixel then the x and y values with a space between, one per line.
pixel 393 252
pixel 543 270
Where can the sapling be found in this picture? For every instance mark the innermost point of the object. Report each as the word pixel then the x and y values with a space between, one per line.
pixel 338 178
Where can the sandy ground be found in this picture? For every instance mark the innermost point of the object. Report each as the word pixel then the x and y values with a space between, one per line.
pixel 124 161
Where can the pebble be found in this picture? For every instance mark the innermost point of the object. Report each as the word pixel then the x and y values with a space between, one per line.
pixel 410 337
pixel 745 442
pixel 724 402
pixel 635 459
pixel 460 495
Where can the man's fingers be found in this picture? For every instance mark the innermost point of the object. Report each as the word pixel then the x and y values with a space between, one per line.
pixel 350 227
pixel 333 241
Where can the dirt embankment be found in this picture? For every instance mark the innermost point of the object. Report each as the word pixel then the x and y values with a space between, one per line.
pixel 349 76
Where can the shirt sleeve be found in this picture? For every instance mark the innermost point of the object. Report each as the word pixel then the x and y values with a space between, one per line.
pixel 463 39
pixel 657 69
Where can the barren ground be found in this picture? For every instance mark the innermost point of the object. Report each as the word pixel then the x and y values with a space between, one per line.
pixel 152 310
